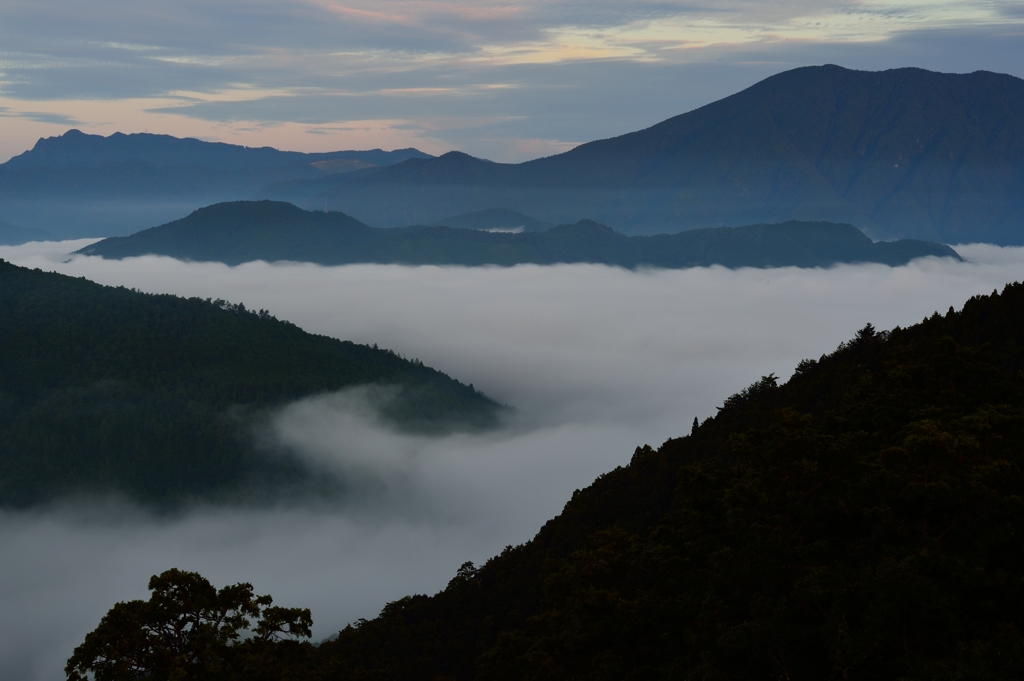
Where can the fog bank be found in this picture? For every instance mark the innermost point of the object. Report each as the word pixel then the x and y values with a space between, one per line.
pixel 595 361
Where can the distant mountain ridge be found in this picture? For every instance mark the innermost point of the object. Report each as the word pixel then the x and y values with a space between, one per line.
pixel 239 232
pixel 77 149
pixel 904 153
pixel 899 153
pixel 78 185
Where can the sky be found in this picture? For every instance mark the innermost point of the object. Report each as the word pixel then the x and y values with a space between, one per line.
pixel 594 361
pixel 507 80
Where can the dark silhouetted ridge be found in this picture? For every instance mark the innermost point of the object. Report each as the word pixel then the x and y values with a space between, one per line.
pixel 861 521
pixel 239 232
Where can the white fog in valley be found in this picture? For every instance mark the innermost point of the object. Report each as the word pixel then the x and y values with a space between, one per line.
pixel 594 361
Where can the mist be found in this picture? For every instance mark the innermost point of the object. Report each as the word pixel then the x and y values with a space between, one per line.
pixel 593 360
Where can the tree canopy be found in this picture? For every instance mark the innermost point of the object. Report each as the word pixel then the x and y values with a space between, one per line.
pixel 187 631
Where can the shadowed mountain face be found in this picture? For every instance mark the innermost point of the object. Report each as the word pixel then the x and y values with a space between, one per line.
pixel 158 398
pixel 79 185
pixel 860 522
pixel 239 232
pixel 900 153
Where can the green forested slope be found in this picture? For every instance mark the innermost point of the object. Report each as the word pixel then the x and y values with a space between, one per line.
pixel 862 521
pixel 244 231
pixel 109 389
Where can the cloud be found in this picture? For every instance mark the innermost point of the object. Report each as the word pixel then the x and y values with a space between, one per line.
pixel 38 116
pixel 569 70
pixel 596 361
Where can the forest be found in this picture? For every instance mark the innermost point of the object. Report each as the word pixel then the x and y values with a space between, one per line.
pixel 155 397
pixel 862 520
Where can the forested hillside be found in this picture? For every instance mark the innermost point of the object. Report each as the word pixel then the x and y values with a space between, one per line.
pixel 861 521
pixel 108 389
pixel 244 231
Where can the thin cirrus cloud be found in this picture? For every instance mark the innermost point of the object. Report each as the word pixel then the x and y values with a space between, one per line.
pixel 281 73
pixel 595 360
pixel 39 116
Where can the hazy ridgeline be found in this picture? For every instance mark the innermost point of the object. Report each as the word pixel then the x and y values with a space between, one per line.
pixel 82 185
pixel 596 360
pixel 903 153
pixel 243 231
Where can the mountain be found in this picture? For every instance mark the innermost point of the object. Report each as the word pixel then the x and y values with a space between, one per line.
pixel 160 398
pixel 11 235
pixel 494 220
pixel 902 153
pixel 79 185
pixel 75 149
pixel 239 232
pixel 861 521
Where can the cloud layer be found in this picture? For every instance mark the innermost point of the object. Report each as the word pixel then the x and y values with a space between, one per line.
pixel 595 360
pixel 507 80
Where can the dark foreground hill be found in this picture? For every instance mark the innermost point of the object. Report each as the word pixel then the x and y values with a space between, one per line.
pixel 862 521
pixel 154 396
pixel 240 232
pixel 903 153
pixel 78 185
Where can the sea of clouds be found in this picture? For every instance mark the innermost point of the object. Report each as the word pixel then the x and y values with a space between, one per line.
pixel 594 360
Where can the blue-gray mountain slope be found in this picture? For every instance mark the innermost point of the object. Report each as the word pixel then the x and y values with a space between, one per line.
pixel 899 153
pixel 79 185
pixel 244 231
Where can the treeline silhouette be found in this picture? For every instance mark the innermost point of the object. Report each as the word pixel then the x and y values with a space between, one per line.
pixel 110 389
pixel 243 231
pixel 861 521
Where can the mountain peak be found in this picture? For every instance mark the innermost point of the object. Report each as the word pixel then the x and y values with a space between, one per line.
pixel 459 156
pixel 82 150
pixel 904 153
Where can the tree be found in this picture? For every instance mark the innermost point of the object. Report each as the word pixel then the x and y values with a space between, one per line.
pixel 186 631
